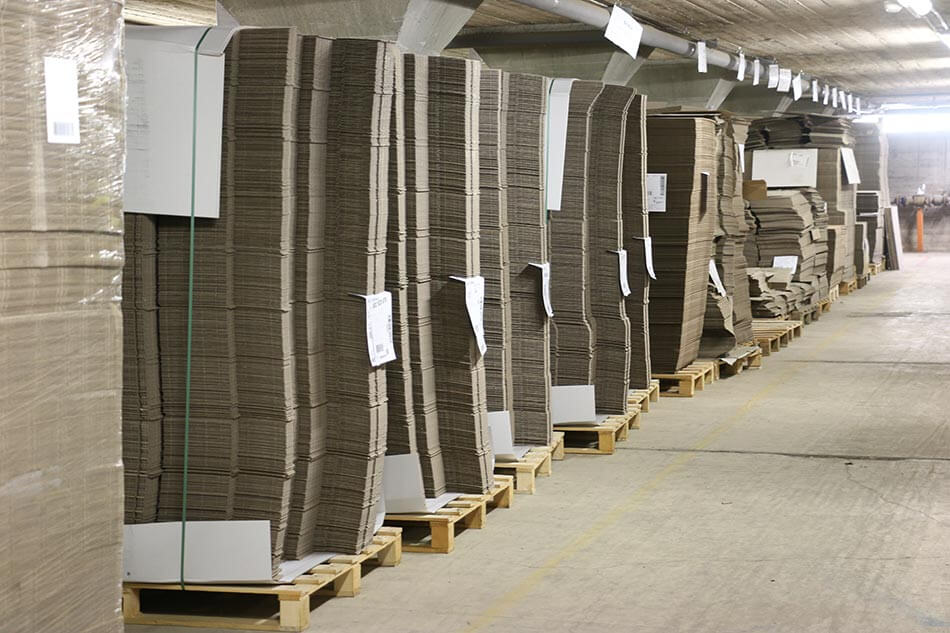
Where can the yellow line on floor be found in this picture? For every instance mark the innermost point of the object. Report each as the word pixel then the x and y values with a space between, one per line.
pixel 523 588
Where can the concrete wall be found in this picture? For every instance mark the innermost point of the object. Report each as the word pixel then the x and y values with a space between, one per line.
pixel 915 159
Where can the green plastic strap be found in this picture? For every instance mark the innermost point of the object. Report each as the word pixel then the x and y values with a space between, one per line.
pixel 191 286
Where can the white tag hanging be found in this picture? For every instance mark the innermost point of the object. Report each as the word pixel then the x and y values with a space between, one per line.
pixel 825 94
pixel 814 90
pixel 740 147
pixel 784 79
pixel 475 305
pixel 61 81
pixel 834 97
pixel 648 255
pixel 622 268
pixel 701 65
pixel 545 269
pixel 379 328
pixel 756 71
pixel 857 105
pixel 773 76
pixel 740 71
pixel 850 102
pixel 797 87
pixel 714 275
pixel 624 31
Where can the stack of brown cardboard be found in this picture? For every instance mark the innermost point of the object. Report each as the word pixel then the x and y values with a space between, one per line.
pixel 358 128
pixel 871 210
pixel 684 149
pixel 841 197
pixel 819 211
pixel 870 153
pixel 454 87
pixel 141 382
pixel 608 120
pixel 528 248
pixel 837 255
pixel 493 238
pixel 802 130
pixel 636 231
pixel 308 310
pixel 60 322
pixel 862 255
pixel 572 329
pixel 421 355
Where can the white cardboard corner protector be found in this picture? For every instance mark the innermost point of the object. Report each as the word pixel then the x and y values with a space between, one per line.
pixel 160 66
pixel 850 165
pixel 786 167
pixel 215 551
pixel 573 404
pixel 558 106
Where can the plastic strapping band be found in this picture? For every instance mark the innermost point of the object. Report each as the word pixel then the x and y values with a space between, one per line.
pixel 191 286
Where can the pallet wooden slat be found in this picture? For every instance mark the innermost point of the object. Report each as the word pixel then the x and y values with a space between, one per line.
pixel 688 380
pixel 536 463
pixel 614 429
pixel 643 397
pixel 468 511
pixel 557 446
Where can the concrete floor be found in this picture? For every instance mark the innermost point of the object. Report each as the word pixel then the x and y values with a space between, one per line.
pixel 810 495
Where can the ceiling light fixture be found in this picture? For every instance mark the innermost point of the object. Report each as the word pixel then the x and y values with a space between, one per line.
pixel 892 7
pixel 945 38
pixel 919 8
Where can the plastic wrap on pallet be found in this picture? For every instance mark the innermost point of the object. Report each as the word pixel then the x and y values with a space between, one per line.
pixel 61 252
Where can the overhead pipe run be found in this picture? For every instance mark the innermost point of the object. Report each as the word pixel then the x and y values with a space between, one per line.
pixel 598 16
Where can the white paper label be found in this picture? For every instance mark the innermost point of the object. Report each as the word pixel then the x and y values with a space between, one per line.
pixel 741 151
pixel 701 57
pixel 656 193
pixel 62 100
pixel 558 105
pixel 814 90
pixel 756 71
pixel 850 102
pixel 624 31
pixel 379 328
pixel 545 269
pixel 784 79
pixel 773 76
pixel 714 275
pixel 797 87
pixel 834 97
pixel 825 94
pixel 648 255
pixel 797 159
pixel 475 305
pixel 850 164
pixel 857 106
pixel 740 71
pixel 622 267
pixel 785 261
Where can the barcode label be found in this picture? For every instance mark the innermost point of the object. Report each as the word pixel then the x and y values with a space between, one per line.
pixel 62 100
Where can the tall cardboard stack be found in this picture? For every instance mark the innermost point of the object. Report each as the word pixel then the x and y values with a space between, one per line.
pixel 870 153
pixel 871 209
pixel 683 148
pixel 572 329
pixel 636 230
pixel 493 238
pixel 358 127
pixel 454 87
pixel 309 317
pixel 527 245
pixel 141 382
pixel 60 322
pixel 421 354
pixel 608 121
pixel 841 198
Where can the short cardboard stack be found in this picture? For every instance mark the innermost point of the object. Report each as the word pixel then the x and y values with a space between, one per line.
pixel 358 127
pixel 804 130
pixel 141 382
pixel 528 249
pixel 454 88
pixel 572 329
pixel 608 122
pixel 421 355
pixel 493 238
pixel 683 148
pixel 636 231
pixel 871 210
pixel 862 254
pixel 837 255
pixel 60 326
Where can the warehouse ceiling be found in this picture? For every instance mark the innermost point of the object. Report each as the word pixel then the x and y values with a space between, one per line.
pixel 892 57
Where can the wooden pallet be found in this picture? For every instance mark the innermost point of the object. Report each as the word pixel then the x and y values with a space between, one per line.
pixel 502 492
pixel 751 360
pixel 643 397
pixel 833 294
pixel 536 463
pixel 614 429
pixel 876 268
pixel 340 576
pixel 773 334
pixel 847 287
pixel 557 446
pixel 824 305
pixel 808 317
pixel 467 511
pixel 863 280
pixel 688 380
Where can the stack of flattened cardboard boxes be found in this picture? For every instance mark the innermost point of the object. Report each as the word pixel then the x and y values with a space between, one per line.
pixel 608 122
pixel 493 238
pixel 358 127
pixel 61 77
pixel 572 329
pixel 636 234
pixel 871 210
pixel 421 354
pixel 528 248
pixel 683 148
pixel 454 87
pixel 841 197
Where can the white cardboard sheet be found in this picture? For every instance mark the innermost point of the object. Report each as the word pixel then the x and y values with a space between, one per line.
pixel 573 404
pixel 786 167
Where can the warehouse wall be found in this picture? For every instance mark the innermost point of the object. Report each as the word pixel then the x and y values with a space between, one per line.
pixel 914 160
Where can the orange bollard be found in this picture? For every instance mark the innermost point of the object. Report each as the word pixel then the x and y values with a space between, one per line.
pixel 920 230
